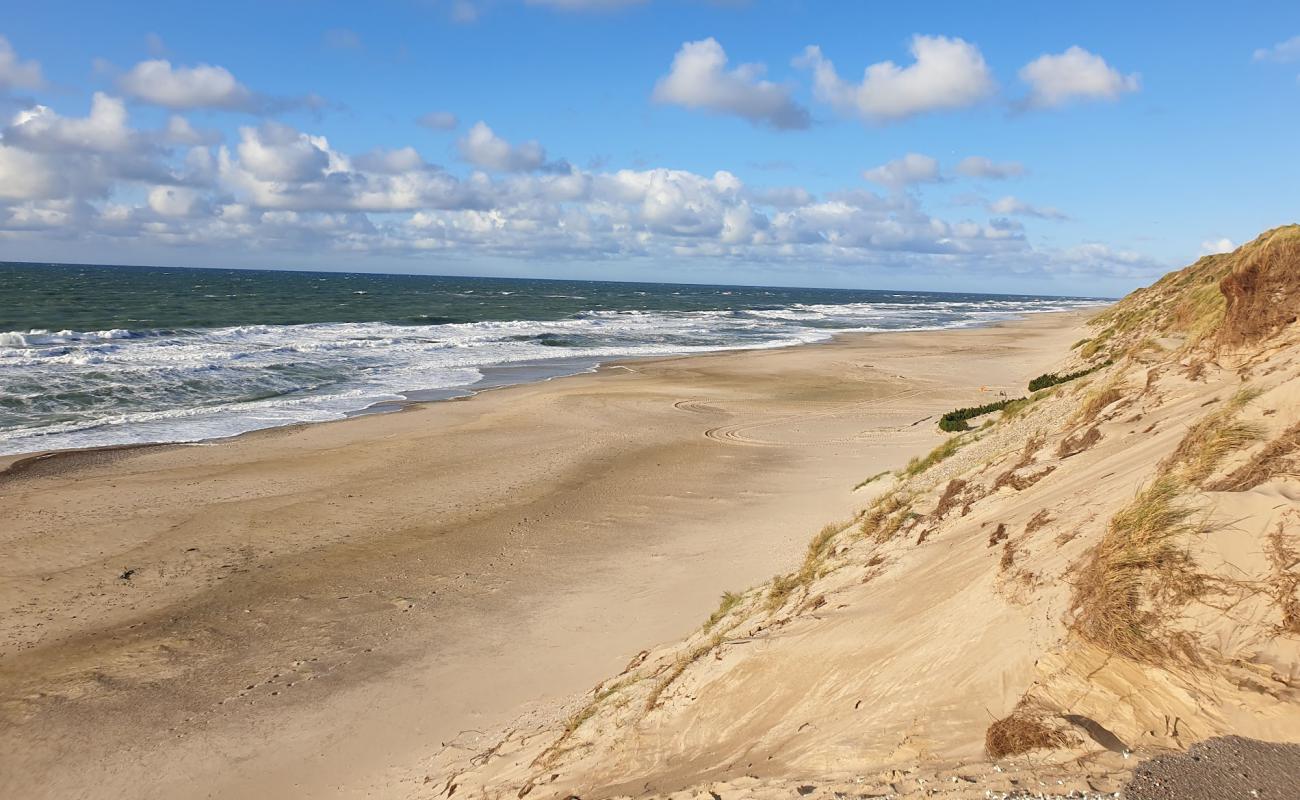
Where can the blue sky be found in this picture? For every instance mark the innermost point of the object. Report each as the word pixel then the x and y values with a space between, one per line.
pixel 1000 147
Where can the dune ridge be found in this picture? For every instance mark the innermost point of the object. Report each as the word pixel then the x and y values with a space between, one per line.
pixel 1105 571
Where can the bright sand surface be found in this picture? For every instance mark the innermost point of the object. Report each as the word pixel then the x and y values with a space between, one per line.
pixel 314 611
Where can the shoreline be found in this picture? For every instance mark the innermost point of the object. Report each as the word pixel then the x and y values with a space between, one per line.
pixel 326 606
pixel 415 398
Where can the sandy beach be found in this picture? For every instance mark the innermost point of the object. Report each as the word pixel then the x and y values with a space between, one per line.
pixel 316 611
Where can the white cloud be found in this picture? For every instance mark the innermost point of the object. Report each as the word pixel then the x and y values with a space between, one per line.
pixel 1282 52
pixel 1012 206
pixel 15 73
pixel 1055 80
pixel 1213 246
pixel 483 148
pixel 946 74
pixel 699 79
pixel 104 130
pixel 275 152
pixel 180 131
pixel 982 167
pixel 96 183
pixel 392 162
pixel 205 86
pixel 901 172
pixel 174 201
pixel 28 176
pixel 438 120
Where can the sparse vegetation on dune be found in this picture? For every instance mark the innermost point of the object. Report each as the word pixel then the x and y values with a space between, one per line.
pixel 916 466
pixel 1114 558
pixel 1278 457
pixel 1139 557
pixel 1019 733
pixel 1212 438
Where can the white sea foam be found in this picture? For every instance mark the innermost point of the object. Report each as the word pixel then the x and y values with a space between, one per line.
pixel 64 389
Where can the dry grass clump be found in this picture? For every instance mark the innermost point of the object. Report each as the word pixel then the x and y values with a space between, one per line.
pixel 729 601
pixel 1274 459
pixel 1038 520
pixel 1098 399
pixel 871 480
pixel 1016 734
pixel 1286 581
pixel 819 549
pixel 1008 559
pixel 679 666
pixel 950 498
pixel 1213 438
pixel 885 516
pixel 1074 445
pixel 1137 562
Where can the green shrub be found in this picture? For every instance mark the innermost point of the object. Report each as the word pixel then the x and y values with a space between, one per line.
pixel 1052 378
pixel 955 420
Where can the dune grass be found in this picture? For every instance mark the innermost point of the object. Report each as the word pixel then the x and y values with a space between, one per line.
pixel 872 479
pixel 1273 459
pixel 1137 558
pixel 729 601
pixel 918 465
pixel 1213 438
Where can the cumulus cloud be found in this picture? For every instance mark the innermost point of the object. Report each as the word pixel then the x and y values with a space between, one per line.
pixel 699 79
pixel 158 83
pixel 96 181
pixel 946 74
pixel 392 162
pixel 180 131
pixel 1013 206
pixel 175 201
pixel 1282 52
pixel 103 130
pixel 483 148
pixel 1214 246
pixel 1076 74
pixel 982 167
pixel 902 172
pixel 438 120
pixel 275 152
pixel 16 73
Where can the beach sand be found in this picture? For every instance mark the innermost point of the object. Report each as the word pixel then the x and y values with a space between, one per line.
pixel 315 611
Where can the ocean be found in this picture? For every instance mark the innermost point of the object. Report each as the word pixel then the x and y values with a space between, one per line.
pixel 107 355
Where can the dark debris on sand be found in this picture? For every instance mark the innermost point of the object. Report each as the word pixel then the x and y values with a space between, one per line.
pixel 1222 768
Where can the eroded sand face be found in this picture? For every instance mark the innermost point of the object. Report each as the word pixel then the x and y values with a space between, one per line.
pixel 315 611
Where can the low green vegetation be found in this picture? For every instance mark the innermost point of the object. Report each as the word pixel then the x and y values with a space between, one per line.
pixel 871 480
pixel 955 420
pixel 918 465
pixel 729 601
pixel 1052 378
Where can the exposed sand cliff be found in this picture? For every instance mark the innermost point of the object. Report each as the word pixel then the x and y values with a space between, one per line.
pixel 1106 571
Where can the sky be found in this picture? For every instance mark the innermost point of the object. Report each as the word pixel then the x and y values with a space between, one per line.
pixel 1002 147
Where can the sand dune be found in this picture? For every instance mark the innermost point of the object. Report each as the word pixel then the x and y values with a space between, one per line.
pixel 1105 572
pixel 315 612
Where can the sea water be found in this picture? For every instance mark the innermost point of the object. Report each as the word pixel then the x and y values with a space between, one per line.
pixel 100 355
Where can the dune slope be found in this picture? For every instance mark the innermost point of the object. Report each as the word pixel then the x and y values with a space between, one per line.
pixel 1106 571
